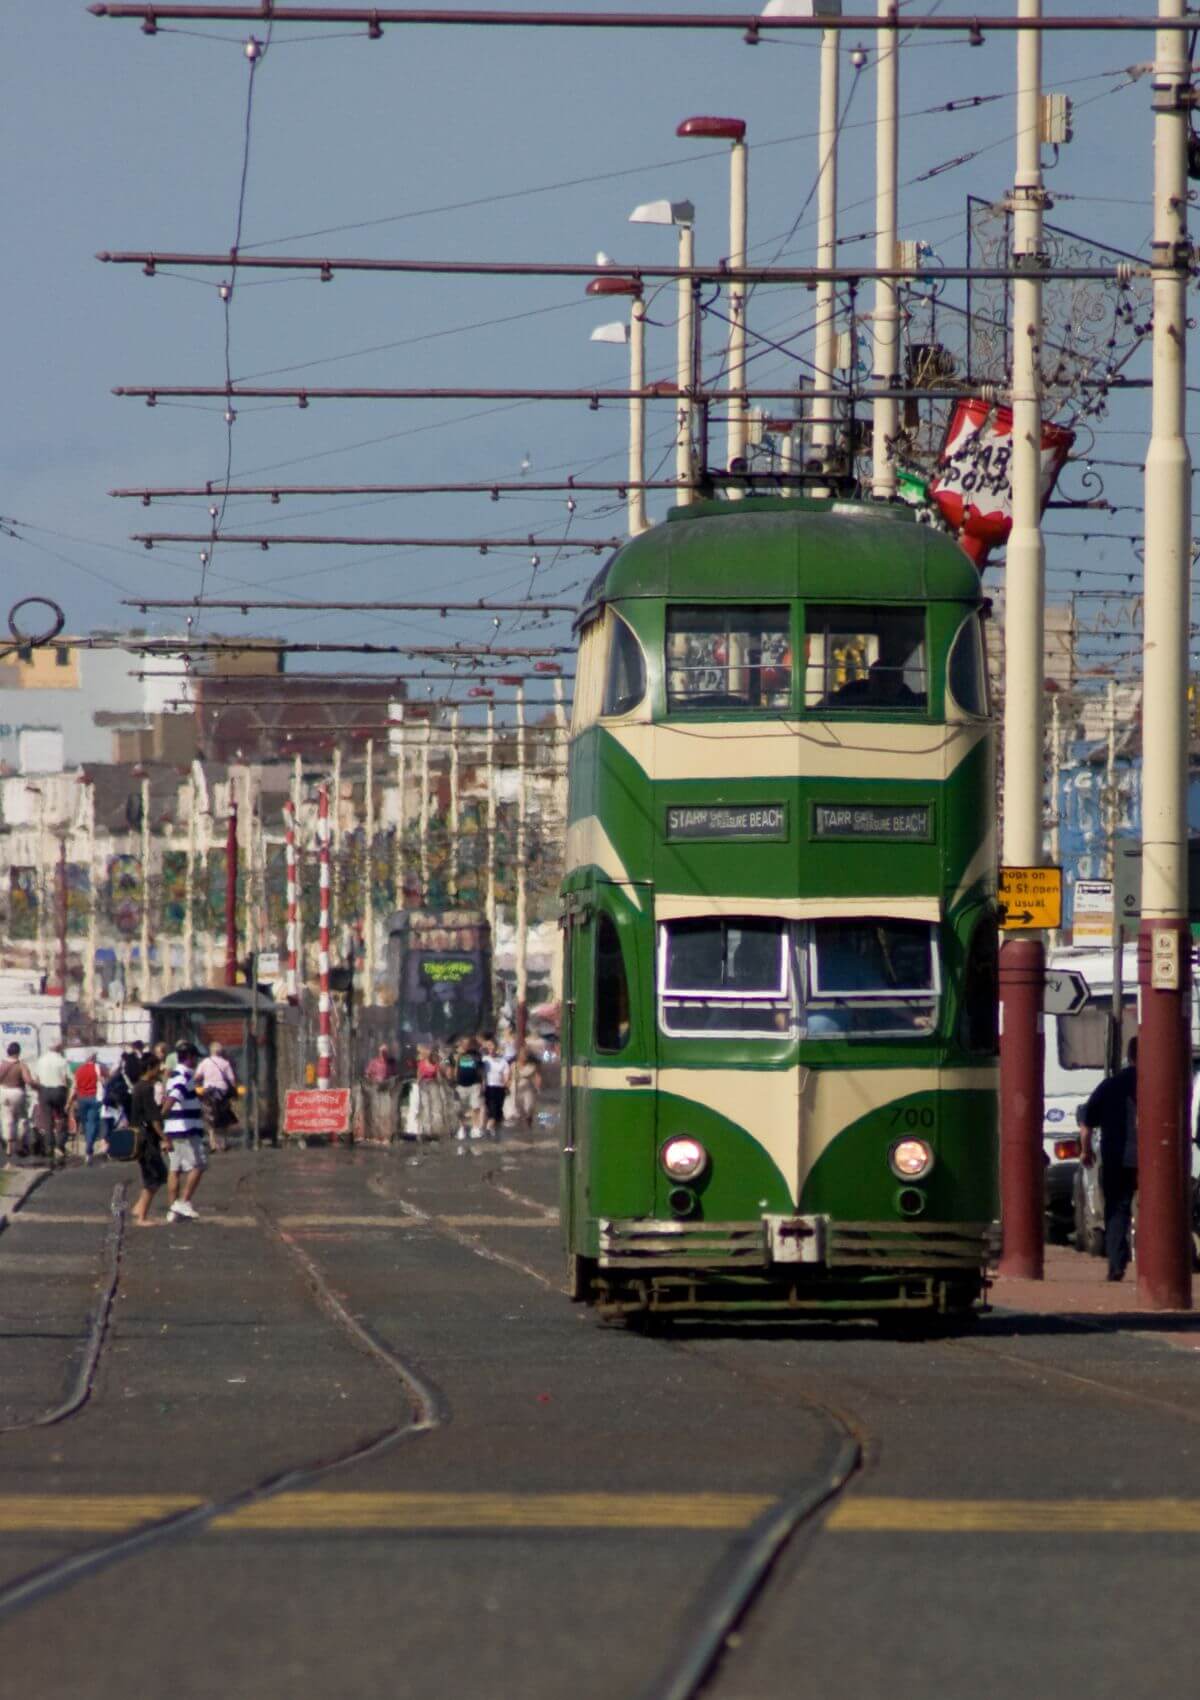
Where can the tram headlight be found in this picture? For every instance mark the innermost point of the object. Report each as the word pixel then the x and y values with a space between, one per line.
pixel 910 1159
pixel 683 1159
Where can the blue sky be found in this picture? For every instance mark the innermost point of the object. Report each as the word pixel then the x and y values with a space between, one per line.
pixel 119 140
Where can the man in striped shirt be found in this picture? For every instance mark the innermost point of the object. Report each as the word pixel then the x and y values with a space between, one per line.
pixel 183 1136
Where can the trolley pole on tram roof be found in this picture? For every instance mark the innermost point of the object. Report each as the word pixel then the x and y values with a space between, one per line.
pixel 1163 1246
pixel 1023 960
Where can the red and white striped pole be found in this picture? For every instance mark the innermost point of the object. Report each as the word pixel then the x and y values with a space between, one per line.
pixel 289 843
pixel 324 1032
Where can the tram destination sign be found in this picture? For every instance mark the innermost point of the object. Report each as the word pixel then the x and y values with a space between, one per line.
pixel 911 822
pixel 762 821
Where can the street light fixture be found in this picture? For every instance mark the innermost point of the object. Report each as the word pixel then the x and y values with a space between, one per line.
pixel 613 283
pixel 732 130
pixel 682 214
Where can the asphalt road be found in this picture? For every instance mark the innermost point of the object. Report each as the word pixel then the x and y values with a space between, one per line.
pixel 345 1436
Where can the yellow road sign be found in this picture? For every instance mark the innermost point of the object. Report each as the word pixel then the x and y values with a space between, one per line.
pixel 1030 898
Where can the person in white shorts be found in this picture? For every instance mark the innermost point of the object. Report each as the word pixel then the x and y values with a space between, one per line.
pixel 183 1137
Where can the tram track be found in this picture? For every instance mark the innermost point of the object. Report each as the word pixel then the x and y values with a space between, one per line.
pixel 426 1412
pixel 111 1253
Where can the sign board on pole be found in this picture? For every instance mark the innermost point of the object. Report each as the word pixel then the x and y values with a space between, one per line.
pixel 317 1113
pixel 267 965
pixel 1066 992
pixel 1030 898
pixel 1093 918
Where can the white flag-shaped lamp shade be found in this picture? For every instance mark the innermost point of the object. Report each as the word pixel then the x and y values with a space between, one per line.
pixel 617 331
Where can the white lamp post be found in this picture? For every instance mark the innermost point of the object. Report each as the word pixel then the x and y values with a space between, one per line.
pixel 825 332
pixel 615 284
pixel 682 214
pixel 732 130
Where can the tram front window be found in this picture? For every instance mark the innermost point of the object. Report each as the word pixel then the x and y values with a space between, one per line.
pixel 736 658
pixel 865 659
pixel 870 977
pixel 725 976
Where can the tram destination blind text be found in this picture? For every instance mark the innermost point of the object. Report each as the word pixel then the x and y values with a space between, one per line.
pixel 720 820
pixel 873 820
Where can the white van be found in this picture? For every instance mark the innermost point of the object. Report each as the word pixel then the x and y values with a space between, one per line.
pixel 1075 1066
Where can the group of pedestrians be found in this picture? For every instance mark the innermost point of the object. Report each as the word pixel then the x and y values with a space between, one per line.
pixel 485 1074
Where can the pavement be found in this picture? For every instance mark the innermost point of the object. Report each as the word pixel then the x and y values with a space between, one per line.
pixel 346 1435
pixel 1076 1288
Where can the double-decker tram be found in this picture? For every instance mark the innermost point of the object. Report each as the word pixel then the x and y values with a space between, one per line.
pixel 779 1045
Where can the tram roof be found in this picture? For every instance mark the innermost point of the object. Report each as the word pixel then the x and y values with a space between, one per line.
pixel 772 548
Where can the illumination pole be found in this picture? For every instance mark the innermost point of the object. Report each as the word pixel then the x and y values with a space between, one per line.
pixel 336 823
pixel 231 874
pixel 189 889
pixel 885 414
pixel 684 340
pixel 452 881
pixel 324 1006
pixel 613 283
pixel 289 853
pixel 1023 959
pixel 520 1012
pixel 490 900
pixel 733 131
pixel 368 876
pixel 425 811
pixel 93 919
pixel 297 797
pixel 825 336
pixel 1164 1173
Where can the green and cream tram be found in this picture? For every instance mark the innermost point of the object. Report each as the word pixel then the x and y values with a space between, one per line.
pixel 779 919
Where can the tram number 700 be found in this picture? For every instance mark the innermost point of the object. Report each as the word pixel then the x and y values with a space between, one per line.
pixel 909 1116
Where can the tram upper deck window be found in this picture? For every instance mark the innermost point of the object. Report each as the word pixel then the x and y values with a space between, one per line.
pixel 967 675
pixel 725 976
pixel 733 658
pixel 869 660
pixel 625 681
pixel 871 978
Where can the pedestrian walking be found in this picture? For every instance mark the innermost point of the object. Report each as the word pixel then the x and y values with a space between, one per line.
pixel 1112 1111
pixel 527 1079
pixel 152 1143
pixel 381 1068
pixel 87 1100
pixel 183 1126
pixel 495 1087
pixel 15 1084
pixel 468 1088
pixel 216 1085
pixel 53 1074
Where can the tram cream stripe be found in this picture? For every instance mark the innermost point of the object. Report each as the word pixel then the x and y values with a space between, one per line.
pixel 798 749
pixel 588 845
pixel 671 907
pixel 1017 1516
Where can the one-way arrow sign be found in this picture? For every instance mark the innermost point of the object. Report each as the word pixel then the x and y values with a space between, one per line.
pixel 1066 991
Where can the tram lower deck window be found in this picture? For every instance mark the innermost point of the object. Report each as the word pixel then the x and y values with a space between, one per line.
pixel 865 659
pixel 728 658
pixel 725 976
pixel 755 977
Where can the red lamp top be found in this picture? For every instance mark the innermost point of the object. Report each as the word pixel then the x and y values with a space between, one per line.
pixel 615 285
pixel 718 129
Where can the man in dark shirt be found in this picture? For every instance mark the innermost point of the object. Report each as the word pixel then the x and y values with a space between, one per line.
pixel 1112 1110
pixel 145 1117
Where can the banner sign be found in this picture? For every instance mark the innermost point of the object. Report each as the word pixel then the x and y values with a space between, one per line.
pixel 720 820
pixel 973 484
pixel 873 820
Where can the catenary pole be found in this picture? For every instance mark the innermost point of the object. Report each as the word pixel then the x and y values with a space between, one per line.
pixel 885 324
pixel 424 815
pixel 297 797
pixel 490 900
pixel 1164 1075
pixel 825 335
pixel 324 1007
pixel 368 875
pixel 1023 960
pixel 452 883
pixel 684 379
pixel 739 185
